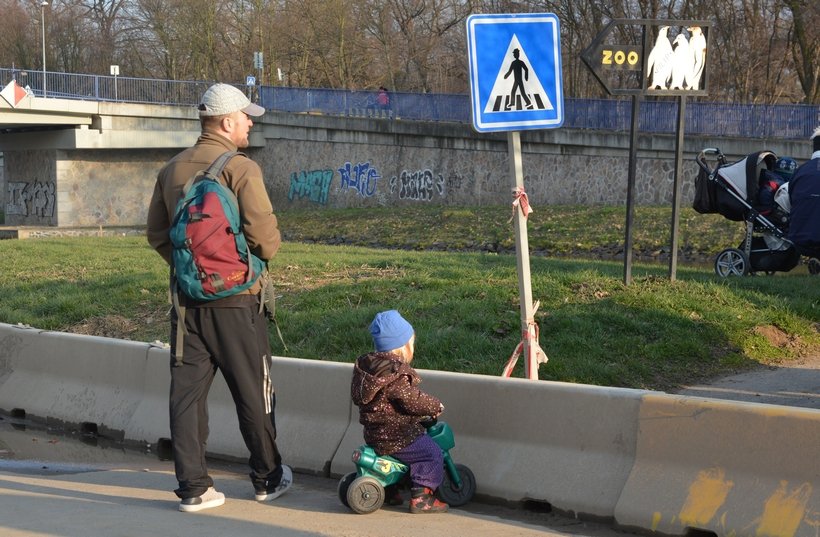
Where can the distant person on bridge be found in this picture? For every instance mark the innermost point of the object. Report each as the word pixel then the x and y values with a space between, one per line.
pixel 383 98
pixel 230 333
pixel 392 407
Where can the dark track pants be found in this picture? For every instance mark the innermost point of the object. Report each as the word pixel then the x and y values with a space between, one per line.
pixel 235 341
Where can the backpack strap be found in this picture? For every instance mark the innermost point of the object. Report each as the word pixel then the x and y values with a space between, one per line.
pixel 181 330
pixel 267 304
pixel 213 172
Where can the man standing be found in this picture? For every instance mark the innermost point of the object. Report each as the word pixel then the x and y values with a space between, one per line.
pixel 229 334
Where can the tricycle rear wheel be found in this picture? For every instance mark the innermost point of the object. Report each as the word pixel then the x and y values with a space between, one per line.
pixel 344 485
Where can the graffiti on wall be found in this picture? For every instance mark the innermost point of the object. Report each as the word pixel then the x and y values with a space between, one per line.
pixel 490 184
pixel 30 199
pixel 456 181
pixel 419 185
pixel 362 178
pixel 314 185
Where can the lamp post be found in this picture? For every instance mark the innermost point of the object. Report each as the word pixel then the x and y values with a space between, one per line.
pixel 43 20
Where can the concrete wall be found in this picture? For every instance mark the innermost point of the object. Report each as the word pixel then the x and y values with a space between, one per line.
pixel 31 187
pixel 317 161
pixel 80 188
pixel 646 460
pixel 103 176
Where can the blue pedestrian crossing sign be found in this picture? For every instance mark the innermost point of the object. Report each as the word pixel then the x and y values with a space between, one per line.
pixel 515 71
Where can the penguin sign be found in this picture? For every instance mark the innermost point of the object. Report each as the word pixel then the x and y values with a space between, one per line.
pixel 667 57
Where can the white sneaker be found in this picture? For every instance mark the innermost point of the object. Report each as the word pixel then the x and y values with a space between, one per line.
pixel 274 492
pixel 209 498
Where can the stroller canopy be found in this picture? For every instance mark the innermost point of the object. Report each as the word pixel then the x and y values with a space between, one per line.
pixel 743 176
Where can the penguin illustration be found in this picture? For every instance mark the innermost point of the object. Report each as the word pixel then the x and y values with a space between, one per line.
pixel 660 60
pixel 681 63
pixel 697 47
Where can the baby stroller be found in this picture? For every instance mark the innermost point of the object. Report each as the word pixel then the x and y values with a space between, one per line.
pixel 734 191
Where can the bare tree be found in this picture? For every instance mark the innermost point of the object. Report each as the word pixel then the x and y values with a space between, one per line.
pixel 19 34
pixel 69 38
pixel 108 28
pixel 326 44
pixel 805 46
pixel 416 41
pixel 768 49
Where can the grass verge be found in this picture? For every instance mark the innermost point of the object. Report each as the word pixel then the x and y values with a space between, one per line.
pixel 464 305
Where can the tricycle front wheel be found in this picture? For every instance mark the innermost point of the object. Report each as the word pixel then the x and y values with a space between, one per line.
pixel 454 495
pixel 365 495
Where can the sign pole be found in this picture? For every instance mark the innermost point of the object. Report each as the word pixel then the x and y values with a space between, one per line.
pixel 653 71
pixel 673 254
pixel 630 188
pixel 515 84
pixel 529 347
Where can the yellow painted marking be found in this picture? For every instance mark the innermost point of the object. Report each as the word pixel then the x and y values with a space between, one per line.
pixel 706 495
pixel 656 520
pixel 784 510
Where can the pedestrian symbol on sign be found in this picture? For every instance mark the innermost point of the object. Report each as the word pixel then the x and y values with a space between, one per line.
pixel 517 86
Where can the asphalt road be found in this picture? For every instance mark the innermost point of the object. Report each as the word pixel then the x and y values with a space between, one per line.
pixel 58 484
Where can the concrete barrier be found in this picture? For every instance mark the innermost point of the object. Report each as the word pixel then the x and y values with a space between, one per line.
pixel 726 467
pixel 71 377
pixel 312 413
pixel 571 446
pixel 150 421
pixel 310 423
pixel 642 459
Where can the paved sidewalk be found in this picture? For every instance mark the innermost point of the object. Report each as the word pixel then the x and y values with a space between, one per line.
pixel 796 384
pixel 111 492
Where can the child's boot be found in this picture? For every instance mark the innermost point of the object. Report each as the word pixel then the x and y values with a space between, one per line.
pixel 424 501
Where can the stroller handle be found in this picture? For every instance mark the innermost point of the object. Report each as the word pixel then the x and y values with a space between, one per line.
pixel 710 152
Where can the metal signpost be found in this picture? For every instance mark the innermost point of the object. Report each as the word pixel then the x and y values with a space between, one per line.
pixel 515 84
pixel 259 65
pixel 673 64
pixel 115 72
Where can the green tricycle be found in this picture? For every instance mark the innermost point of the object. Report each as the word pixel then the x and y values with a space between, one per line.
pixel 363 490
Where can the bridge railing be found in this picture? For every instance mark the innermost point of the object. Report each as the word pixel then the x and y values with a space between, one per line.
pixel 657 116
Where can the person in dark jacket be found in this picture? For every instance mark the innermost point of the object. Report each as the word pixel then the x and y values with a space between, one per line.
pixel 804 192
pixel 391 408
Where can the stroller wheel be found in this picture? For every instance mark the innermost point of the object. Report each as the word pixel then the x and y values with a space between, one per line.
pixel 731 262
pixel 814 266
